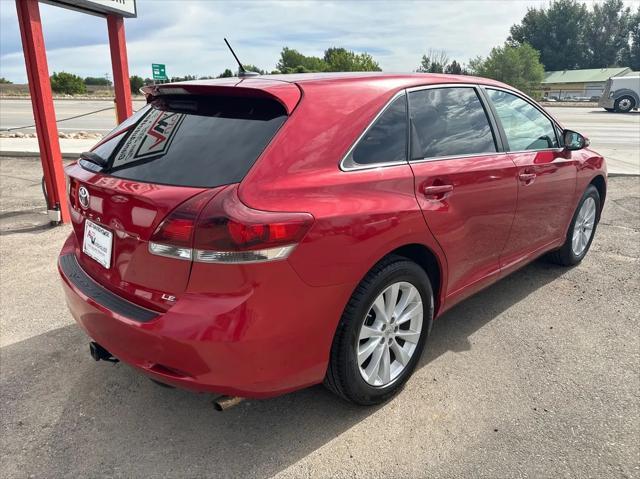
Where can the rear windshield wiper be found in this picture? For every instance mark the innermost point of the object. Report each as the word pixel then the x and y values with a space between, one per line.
pixel 91 160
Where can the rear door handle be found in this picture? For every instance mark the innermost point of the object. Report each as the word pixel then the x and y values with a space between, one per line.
pixel 437 191
pixel 527 177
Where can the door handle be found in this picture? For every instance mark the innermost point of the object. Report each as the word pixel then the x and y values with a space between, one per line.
pixel 527 177
pixel 437 190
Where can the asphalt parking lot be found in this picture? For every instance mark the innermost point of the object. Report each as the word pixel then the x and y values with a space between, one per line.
pixel 537 376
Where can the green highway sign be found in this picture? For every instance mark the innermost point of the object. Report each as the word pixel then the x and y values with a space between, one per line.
pixel 159 71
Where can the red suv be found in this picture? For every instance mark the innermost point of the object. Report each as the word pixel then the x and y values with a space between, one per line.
pixel 253 237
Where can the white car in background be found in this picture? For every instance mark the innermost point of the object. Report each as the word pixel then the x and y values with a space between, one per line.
pixel 621 94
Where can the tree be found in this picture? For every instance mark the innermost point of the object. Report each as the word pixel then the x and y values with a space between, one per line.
pixel 135 83
pixel 343 60
pixel 631 54
pixel 556 32
pixel 519 66
pixel 292 60
pixel 67 83
pixel 454 68
pixel 435 61
pixel 335 59
pixel 607 34
pixel 184 78
pixel 4 81
pixel 253 68
pixel 226 74
pixel 102 81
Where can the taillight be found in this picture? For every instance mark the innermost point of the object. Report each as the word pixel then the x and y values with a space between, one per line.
pixel 174 236
pixel 227 231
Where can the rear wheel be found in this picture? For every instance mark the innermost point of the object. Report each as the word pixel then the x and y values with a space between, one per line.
pixel 624 104
pixel 382 332
pixel 581 231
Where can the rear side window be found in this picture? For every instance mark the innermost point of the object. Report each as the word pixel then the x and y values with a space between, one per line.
pixel 386 140
pixel 203 141
pixel 524 125
pixel 448 122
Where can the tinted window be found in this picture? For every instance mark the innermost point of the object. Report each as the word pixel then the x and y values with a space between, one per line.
pixel 386 140
pixel 448 122
pixel 194 141
pixel 525 126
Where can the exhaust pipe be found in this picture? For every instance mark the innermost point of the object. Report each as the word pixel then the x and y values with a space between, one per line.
pixel 99 353
pixel 226 402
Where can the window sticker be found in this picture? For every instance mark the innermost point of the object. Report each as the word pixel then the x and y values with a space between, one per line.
pixel 152 137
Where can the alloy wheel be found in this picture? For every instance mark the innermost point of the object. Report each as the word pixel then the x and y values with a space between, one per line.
pixel 583 227
pixel 390 334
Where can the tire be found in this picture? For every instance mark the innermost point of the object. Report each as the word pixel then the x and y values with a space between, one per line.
pixel 568 255
pixel 394 277
pixel 624 104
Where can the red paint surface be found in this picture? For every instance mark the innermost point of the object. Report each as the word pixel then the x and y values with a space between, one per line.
pixel 264 329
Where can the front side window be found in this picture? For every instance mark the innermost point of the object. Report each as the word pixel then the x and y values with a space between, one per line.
pixel 386 140
pixel 448 122
pixel 524 125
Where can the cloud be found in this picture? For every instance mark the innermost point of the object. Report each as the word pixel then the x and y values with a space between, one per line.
pixel 187 35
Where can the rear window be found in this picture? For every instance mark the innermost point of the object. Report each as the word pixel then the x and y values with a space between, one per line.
pixel 200 141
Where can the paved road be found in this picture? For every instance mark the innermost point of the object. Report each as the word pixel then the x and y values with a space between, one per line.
pixel 537 377
pixel 616 136
pixel 16 113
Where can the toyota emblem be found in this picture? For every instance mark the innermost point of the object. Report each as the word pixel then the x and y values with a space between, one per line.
pixel 83 197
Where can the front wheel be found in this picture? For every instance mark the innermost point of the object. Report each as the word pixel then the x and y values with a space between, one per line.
pixel 382 332
pixel 581 231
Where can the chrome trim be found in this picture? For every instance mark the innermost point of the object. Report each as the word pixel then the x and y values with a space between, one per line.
pixel 456 157
pixel 441 85
pixel 355 166
pixel 243 257
pixel 555 150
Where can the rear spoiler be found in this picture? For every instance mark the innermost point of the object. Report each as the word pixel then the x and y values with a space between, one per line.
pixel 287 94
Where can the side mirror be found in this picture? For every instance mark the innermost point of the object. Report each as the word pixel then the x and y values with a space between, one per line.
pixel 574 140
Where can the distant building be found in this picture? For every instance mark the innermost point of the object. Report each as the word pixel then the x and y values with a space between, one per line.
pixel 578 84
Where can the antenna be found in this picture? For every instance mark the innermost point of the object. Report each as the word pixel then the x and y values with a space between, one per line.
pixel 241 71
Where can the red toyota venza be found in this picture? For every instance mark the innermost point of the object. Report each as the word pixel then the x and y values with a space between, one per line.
pixel 250 237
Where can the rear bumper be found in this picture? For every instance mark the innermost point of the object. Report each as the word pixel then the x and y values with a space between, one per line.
pixel 245 344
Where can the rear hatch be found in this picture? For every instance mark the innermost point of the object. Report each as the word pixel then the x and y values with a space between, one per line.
pixel 170 159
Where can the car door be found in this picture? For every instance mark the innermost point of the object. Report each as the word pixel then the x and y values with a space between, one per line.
pixel 465 185
pixel 546 177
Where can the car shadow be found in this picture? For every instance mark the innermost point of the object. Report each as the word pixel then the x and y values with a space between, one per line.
pixel 67 416
pixel 29 220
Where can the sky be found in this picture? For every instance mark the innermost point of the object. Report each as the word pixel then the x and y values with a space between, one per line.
pixel 187 35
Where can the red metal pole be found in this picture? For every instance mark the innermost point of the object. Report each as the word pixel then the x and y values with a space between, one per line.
pixel 35 56
pixel 118 46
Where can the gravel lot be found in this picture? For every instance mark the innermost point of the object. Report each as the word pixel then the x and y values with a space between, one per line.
pixel 537 376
